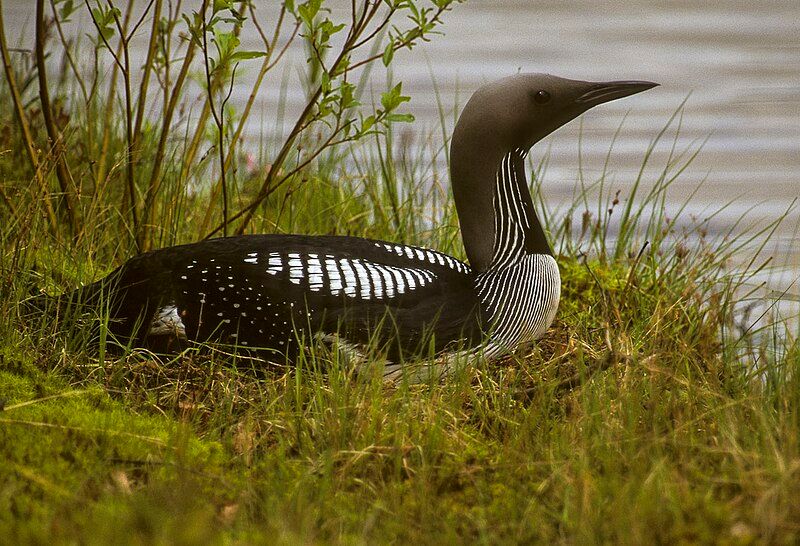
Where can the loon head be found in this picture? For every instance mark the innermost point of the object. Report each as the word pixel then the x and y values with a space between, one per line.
pixel 520 110
pixel 502 117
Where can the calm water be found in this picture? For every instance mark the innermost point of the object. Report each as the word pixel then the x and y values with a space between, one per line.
pixel 737 62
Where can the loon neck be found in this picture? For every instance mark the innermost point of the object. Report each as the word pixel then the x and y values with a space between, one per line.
pixel 499 225
pixel 517 230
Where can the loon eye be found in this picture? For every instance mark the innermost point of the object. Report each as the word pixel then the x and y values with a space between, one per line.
pixel 541 97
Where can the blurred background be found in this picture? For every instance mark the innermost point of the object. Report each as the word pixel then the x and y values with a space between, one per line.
pixel 735 64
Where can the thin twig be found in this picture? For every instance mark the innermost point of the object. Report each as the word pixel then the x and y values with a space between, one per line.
pixel 70 60
pixel 300 166
pixel 377 29
pixel 139 22
pixel 43 424
pixel 24 125
pixel 266 65
pixel 129 164
pixel 44 399
pixel 219 121
pixel 115 56
pixel 62 173
pixel 148 66
pixel 169 111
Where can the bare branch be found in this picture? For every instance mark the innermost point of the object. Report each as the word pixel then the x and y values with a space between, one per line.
pixel 24 126
pixel 52 131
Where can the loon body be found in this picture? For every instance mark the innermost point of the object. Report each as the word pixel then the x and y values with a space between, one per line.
pixel 275 292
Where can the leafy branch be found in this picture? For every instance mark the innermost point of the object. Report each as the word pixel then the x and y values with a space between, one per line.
pixel 332 104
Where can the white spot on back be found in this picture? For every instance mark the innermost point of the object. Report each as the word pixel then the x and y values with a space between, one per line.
pixel 296 273
pixel 314 273
pixel 364 280
pixel 334 276
pixel 275 263
pixel 349 277
pixel 388 280
pixel 376 280
pixel 400 283
pixel 410 280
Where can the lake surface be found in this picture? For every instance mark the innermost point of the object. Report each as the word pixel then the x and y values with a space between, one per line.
pixel 736 63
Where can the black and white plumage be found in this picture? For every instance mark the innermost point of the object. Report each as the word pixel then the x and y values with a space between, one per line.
pixel 269 291
pixel 519 290
pixel 273 293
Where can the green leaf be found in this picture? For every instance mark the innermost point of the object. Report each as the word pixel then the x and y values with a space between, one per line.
pixel 367 124
pixel 388 54
pixel 246 55
pixel 103 20
pixel 220 5
pixel 237 16
pixel 393 98
pixel 328 29
pixel 401 118
pixel 226 42
pixel 308 11
pixel 341 66
pixel 325 83
pixel 347 92
pixel 324 109
pixel 190 28
pixel 66 10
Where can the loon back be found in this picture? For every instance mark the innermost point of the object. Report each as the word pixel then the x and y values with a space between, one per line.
pixel 274 293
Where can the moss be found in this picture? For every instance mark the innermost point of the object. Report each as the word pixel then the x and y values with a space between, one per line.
pixel 64 454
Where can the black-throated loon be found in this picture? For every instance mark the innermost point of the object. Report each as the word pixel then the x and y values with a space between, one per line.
pixel 273 292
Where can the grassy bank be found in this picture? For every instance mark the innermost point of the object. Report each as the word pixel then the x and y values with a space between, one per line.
pixel 644 413
pixel 650 412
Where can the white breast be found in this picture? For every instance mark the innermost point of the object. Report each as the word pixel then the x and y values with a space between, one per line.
pixel 520 300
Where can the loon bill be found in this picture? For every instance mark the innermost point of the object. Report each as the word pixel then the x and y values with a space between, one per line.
pixel 277 292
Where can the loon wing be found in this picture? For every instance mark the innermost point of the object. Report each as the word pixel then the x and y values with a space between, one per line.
pixel 269 291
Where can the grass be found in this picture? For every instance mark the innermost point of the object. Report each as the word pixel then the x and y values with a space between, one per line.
pixel 649 413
